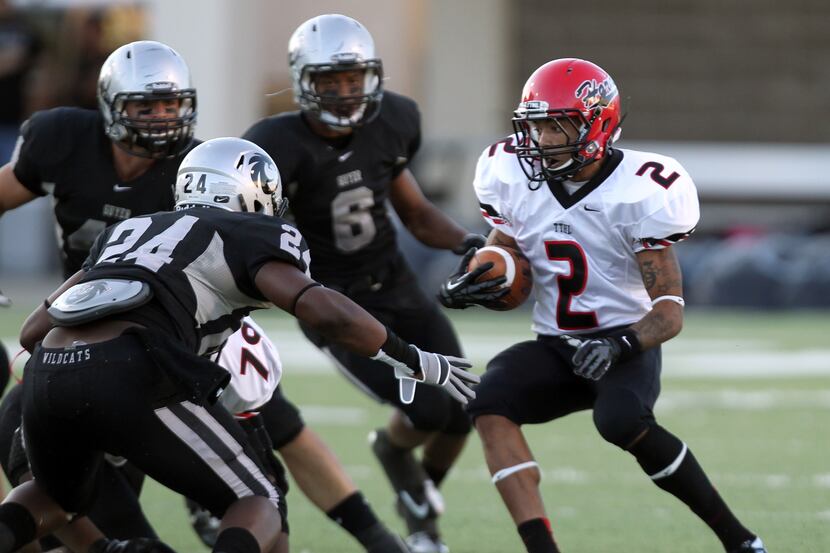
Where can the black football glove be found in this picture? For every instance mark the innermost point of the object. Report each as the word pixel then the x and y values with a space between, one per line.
pixel 594 357
pixel 133 545
pixel 472 240
pixel 461 290
pixel 4 300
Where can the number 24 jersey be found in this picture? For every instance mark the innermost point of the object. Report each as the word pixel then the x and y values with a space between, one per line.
pixel 582 246
pixel 201 264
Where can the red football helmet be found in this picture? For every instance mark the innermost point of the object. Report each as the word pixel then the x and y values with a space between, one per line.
pixel 570 92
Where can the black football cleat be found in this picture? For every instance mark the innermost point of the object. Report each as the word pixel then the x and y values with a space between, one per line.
pixel 418 502
pixel 204 524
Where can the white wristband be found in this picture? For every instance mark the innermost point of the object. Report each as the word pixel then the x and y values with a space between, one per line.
pixel 676 299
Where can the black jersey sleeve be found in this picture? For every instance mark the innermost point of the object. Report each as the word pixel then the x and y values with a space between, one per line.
pixel 272 239
pixel 96 249
pixel 44 143
pixel 405 117
pixel 281 145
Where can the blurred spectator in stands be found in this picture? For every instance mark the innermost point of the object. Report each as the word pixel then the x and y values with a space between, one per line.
pixel 19 49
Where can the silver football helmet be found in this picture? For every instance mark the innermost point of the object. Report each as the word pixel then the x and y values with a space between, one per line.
pixel 328 43
pixel 232 174
pixel 146 71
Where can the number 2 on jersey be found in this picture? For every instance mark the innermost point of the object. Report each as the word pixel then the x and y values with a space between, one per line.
pixel 570 285
pixel 656 173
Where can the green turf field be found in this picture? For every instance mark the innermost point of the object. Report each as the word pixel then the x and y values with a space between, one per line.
pixel 749 393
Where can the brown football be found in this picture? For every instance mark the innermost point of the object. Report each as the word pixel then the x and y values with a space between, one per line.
pixel 510 263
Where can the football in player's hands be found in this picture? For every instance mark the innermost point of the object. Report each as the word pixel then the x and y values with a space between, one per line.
pixel 513 266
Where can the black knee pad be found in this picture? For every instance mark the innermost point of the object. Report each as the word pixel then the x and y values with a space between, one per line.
pixel 12 455
pixel 4 369
pixel 460 423
pixel 427 416
pixel 282 419
pixel 432 410
pixel 620 417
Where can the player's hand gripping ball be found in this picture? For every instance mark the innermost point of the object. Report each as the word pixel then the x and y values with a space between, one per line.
pixel 513 266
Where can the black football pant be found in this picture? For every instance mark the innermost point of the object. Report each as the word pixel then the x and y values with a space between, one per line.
pixel 80 402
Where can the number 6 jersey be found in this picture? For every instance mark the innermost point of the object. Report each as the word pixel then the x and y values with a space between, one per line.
pixel 338 188
pixel 582 246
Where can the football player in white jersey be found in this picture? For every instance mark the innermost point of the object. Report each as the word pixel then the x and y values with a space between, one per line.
pixel 597 224
pixel 254 363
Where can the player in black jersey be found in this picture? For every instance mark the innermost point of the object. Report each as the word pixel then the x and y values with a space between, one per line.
pixel 113 164
pixel 121 369
pixel 103 166
pixel 342 156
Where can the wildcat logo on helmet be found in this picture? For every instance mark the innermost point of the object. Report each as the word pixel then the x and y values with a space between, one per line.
pixel 261 170
pixel 595 94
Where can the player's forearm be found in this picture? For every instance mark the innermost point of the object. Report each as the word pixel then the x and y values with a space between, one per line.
pixel 341 320
pixel 661 324
pixel 435 229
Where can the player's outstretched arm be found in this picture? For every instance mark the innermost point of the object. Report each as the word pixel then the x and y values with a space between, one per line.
pixel 341 320
pixel 12 193
pixel 37 324
pixel 326 311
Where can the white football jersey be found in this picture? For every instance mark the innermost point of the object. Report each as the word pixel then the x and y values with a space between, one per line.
pixel 582 247
pixel 255 367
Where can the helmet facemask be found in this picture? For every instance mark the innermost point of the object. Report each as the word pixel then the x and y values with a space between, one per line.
pixel 339 111
pixel 333 43
pixel 147 71
pixel 540 162
pixel 582 100
pixel 155 137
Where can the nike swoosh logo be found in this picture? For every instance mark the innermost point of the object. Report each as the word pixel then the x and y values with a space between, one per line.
pixel 452 285
pixel 344 157
pixel 420 510
pixel 590 209
pixel 119 188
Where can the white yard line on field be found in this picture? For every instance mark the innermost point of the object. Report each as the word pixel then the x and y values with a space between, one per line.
pixel 683 358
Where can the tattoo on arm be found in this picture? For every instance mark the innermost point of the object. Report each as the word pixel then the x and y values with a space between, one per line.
pixel 661 277
pixel 661 273
pixel 649 274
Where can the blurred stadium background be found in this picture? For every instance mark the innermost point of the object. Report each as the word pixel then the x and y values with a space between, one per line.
pixel 736 90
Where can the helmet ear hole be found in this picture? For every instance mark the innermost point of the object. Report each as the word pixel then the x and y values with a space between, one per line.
pixel 615 136
pixel 242 204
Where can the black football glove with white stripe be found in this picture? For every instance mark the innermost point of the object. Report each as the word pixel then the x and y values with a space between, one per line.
pixel 592 357
pixel 461 290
